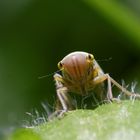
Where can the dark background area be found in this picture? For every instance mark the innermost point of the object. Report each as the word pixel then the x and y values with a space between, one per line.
pixel 36 35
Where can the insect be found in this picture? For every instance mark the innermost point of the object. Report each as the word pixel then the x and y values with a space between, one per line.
pixel 80 74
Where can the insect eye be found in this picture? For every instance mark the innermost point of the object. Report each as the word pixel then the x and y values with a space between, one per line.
pixel 90 57
pixel 60 65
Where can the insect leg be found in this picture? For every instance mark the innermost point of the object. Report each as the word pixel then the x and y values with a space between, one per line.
pixel 64 102
pixel 61 94
pixel 124 90
pixel 101 79
pixel 110 80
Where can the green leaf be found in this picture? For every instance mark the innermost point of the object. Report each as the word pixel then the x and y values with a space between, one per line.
pixel 109 122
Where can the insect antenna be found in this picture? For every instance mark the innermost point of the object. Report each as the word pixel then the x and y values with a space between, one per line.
pixel 48 75
pixel 104 60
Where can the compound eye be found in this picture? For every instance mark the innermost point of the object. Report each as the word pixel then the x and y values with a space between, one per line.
pixel 60 65
pixel 90 57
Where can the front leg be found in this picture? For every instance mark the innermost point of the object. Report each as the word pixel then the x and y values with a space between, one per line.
pixel 100 79
pixel 64 102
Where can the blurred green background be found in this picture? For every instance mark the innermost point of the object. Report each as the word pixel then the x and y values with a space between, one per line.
pixel 36 34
